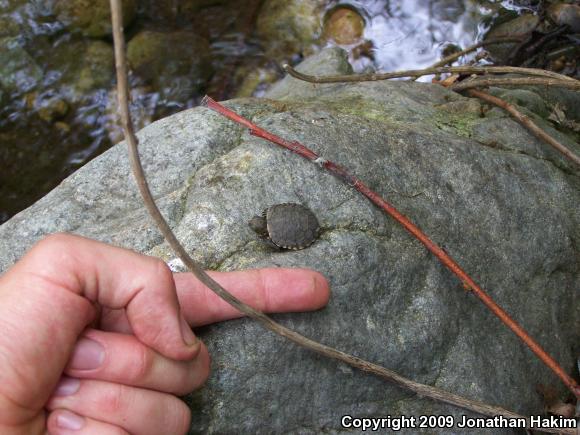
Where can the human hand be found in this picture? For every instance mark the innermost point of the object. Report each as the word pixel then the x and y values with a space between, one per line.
pixel 109 320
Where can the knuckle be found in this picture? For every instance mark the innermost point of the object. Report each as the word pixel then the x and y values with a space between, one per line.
pixel 61 248
pixel 262 293
pixel 57 238
pixel 161 271
pixel 142 365
pixel 111 400
pixel 55 243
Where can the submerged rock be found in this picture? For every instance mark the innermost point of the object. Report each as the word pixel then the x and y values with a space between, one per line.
pixel 85 65
pixel 19 72
pixel 501 202
pixel 51 109
pixel 141 105
pixel 92 17
pixel 447 10
pixel 290 26
pixel 175 63
pixel 97 67
pixel 8 26
pixel 344 25
pixel 171 10
pixel 565 15
pixel 519 26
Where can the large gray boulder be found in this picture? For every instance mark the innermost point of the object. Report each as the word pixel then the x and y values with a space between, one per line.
pixel 502 203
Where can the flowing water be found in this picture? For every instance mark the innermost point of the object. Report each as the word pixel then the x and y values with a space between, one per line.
pixel 56 85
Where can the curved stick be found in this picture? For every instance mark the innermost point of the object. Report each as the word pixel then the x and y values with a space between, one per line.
pixel 515 81
pixel 424 72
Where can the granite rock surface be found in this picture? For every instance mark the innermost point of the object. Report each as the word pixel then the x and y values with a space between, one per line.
pixel 503 204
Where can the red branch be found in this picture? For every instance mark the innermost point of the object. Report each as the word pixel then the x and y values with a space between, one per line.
pixel 467 281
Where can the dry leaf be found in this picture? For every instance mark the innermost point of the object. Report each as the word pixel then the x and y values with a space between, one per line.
pixel 566 410
pixel 559 117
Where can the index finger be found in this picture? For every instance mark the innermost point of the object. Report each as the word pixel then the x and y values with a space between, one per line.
pixel 272 290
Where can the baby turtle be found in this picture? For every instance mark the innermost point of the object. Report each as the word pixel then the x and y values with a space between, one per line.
pixel 288 226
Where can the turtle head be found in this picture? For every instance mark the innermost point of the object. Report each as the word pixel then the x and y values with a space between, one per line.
pixel 258 224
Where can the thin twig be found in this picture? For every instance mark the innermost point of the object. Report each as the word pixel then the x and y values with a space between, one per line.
pixel 527 123
pixel 467 281
pixel 424 72
pixel 514 81
pixel 453 57
pixel 389 375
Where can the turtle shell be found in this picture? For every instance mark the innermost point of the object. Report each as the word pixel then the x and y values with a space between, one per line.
pixel 291 226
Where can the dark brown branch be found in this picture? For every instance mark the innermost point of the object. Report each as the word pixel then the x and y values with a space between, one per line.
pixel 514 81
pixel 389 375
pixel 526 122
pixel 424 72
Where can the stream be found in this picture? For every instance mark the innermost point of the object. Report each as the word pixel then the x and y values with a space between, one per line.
pixel 57 83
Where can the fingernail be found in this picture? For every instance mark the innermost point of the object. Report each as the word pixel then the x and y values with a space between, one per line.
pixel 69 420
pixel 87 355
pixel 67 386
pixel 186 333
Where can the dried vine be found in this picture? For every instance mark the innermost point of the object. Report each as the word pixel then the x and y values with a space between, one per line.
pixel 372 77
pixel 515 81
pixel 197 270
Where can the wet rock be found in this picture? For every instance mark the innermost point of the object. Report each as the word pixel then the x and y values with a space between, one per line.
pixel 566 14
pixel 290 26
pixel 364 50
pixel 84 65
pixel 97 67
pixel 449 49
pixel 18 70
pixel 519 26
pixel 8 26
pixel 51 109
pixel 63 127
pixel 171 11
pixel 447 10
pixel 254 80
pixel 330 61
pixel 525 98
pixel 344 25
pixel 92 17
pixel 470 106
pixel 177 63
pixel 142 107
